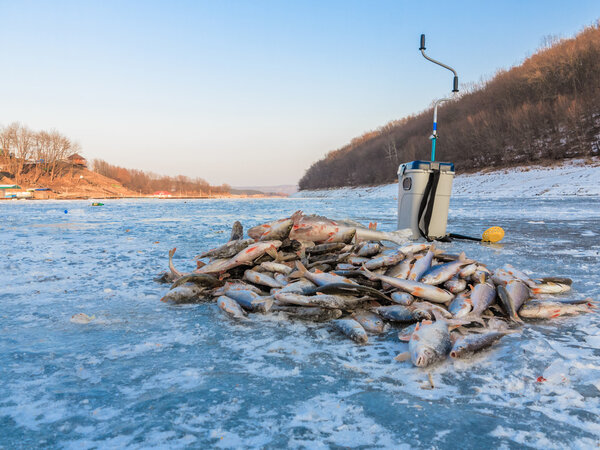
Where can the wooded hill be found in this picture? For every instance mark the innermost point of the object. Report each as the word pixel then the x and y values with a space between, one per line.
pixel 547 108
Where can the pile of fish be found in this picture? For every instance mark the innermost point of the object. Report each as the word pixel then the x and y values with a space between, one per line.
pixel 364 281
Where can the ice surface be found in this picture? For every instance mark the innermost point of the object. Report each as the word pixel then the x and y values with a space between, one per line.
pixel 145 374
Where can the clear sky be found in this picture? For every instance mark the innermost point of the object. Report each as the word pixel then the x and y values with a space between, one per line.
pixel 249 92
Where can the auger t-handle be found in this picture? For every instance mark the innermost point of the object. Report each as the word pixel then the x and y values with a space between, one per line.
pixel 422 48
pixel 434 135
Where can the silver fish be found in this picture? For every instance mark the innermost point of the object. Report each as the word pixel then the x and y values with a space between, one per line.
pixel 461 306
pixel 368 249
pixel 399 313
pixel 421 265
pixel 352 329
pixel 227 250
pixel 371 322
pixel 472 343
pixel 455 285
pixel 231 307
pixel 512 296
pixel 272 266
pixel 402 298
pixel 262 279
pixel 443 272
pixel 246 256
pixel 188 293
pixel 415 288
pixel 402 269
pixel 322 300
pixel 536 309
pixel 313 313
pixel 250 300
pixel 321 278
pixel 384 261
pixel 482 296
pixel 429 343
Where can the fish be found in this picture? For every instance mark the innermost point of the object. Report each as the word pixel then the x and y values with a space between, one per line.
pixel 461 306
pixel 368 249
pixel 402 298
pixel 272 266
pixel 455 285
pixel 357 260
pixel 421 265
pixel 430 342
pixel 349 289
pixel 501 277
pixel 187 293
pixel 277 230
pixel 321 229
pixel 227 250
pixel 175 273
pixel 444 272
pixel 384 261
pixel 432 309
pixel 516 273
pixel 313 313
pixel 352 329
pixel 237 231
pixel 467 271
pixel 399 313
pixel 512 296
pixel 371 322
pixel 402 269
pixel 322 300
pixel 405 334
pixel 482 296
pixel 326 248
pixel 236 285
pixel 246 256
pixel 250 300
pixel 415 288
pixel 550 287
pixel 536 309
pixel 200 279
pixel 559 280
pixel 414 248
pixel 231 307
pixel 302 286
pixel 281 279
pixel 321 278
pixel 261 278
pixel 472 343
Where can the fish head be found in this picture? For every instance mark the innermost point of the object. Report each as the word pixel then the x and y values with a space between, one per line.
pixel 422 356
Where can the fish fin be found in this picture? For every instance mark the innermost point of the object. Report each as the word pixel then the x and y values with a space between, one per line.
pixel 272 252
pixel 200 264
pixel 405 356
pixel 516 319
pixel 403 338
pixel 301 268
pixel 462 256
pixel 370 275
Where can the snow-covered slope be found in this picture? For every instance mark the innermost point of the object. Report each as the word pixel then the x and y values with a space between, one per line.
pixel 568 179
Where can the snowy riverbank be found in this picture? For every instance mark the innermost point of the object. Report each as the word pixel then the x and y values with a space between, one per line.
pixel 574 178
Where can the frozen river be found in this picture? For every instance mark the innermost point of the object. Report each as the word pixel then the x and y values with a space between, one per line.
pixel 145 374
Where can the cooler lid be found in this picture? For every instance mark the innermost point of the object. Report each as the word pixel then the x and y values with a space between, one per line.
pixel 426 165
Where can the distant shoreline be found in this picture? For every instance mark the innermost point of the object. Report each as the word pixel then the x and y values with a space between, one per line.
pixel 224 197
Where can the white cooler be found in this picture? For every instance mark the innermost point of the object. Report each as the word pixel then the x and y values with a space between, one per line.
pixel 413 178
